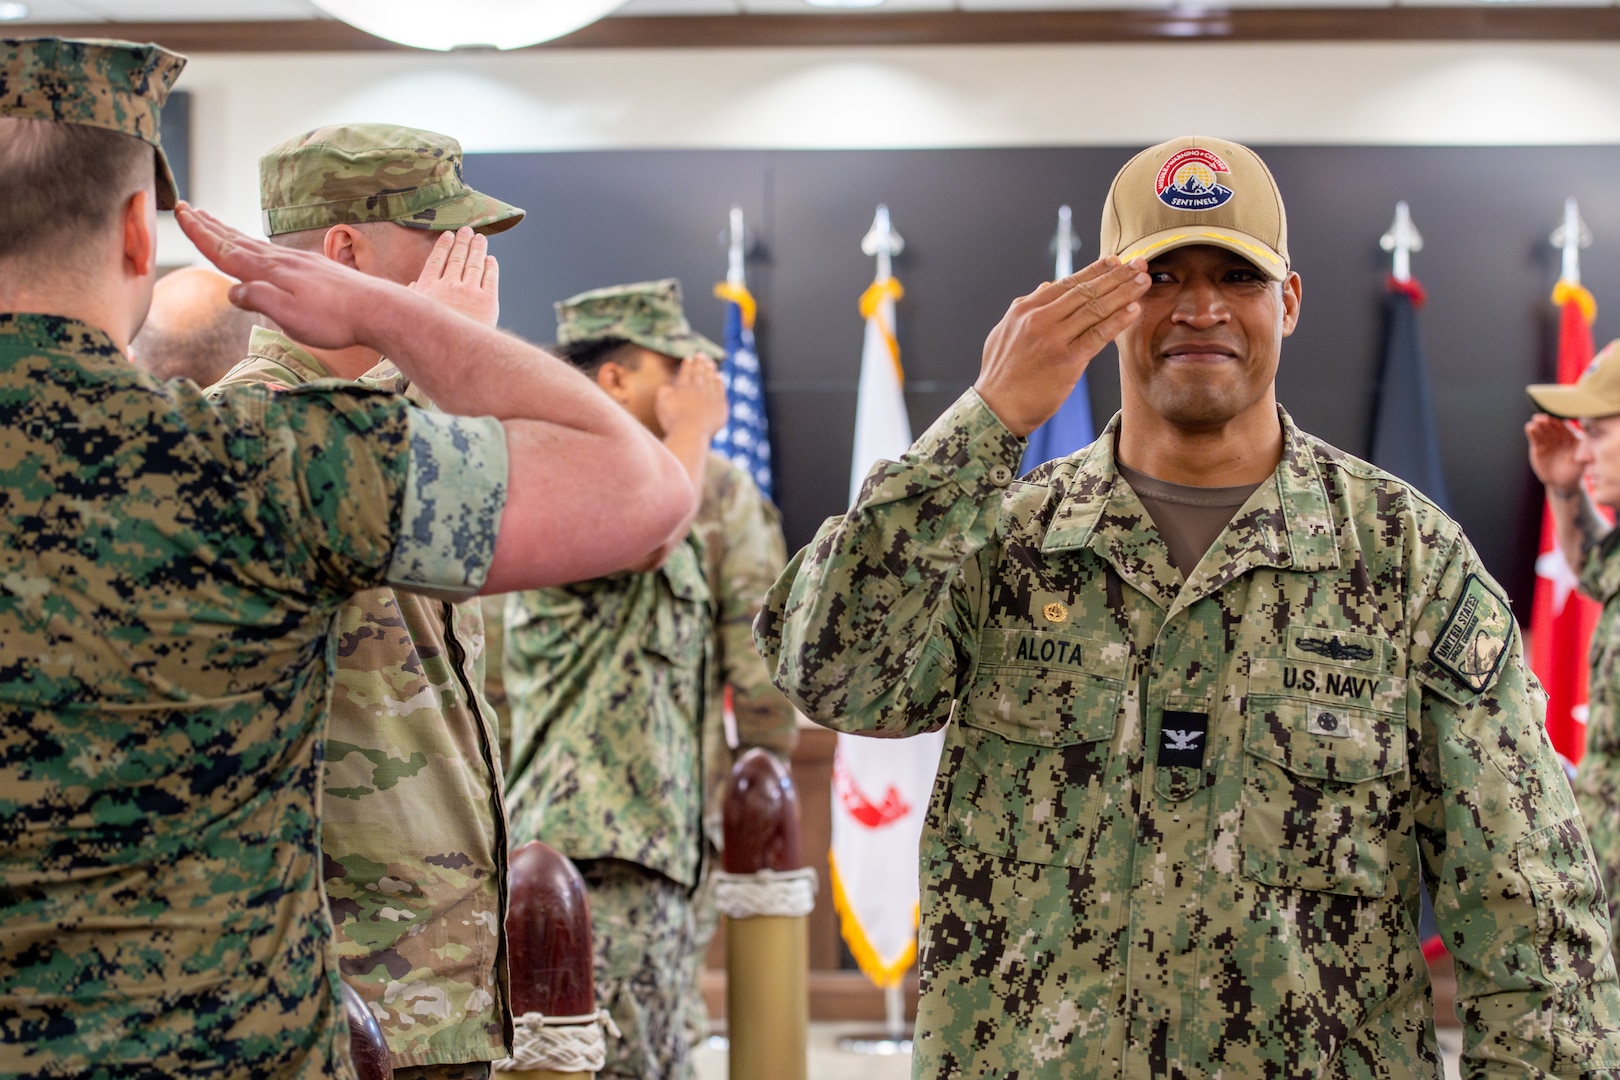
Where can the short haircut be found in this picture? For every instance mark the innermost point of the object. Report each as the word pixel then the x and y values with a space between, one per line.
pixel 202 352
pixel 589 355
pixel 63 182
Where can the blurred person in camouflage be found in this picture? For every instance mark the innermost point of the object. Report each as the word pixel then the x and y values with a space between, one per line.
pixel 1580 465
pixel 616 686
pixel 412 830
pixel 1222 695
pixel 193 331
pixel 172 567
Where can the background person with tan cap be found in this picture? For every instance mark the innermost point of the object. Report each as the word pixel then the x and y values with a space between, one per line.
pixel 172 568
pixel 413 835
pixel 1219 696
pixel 1580 466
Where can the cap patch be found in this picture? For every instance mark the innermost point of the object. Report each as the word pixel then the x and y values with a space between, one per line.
pixel 1190 180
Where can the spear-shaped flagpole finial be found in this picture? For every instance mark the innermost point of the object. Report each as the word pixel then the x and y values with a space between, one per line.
pixel 1064 244
pixel 736 248
pixel 1571 236
pixel 1402 239
pixel 882 241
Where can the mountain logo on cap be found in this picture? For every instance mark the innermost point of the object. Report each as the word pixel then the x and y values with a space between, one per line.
pixel 1190 180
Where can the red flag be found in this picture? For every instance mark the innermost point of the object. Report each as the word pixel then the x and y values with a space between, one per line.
pixel 1561 619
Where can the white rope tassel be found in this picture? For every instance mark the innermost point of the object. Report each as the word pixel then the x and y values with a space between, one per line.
pixel 568 1044
pixel 787 893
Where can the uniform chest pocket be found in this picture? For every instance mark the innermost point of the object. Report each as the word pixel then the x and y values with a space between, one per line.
pixel 1320 780
pixel 1031 747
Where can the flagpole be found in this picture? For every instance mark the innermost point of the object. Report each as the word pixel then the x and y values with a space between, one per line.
pixel 1402 239
pixel 1571 236
pixel 875 831
pixel 736 250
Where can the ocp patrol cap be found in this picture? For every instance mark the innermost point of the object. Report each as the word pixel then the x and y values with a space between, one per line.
pixel 1595 393
pixel 647 313
pixel 1197 190
pixel 115 85
pixel 349 174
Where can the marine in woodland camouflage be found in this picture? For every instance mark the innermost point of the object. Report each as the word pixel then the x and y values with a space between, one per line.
pixel 412 832
pixel 1597 781
pixel 169 569
pixel 1178 828
pixel 114 85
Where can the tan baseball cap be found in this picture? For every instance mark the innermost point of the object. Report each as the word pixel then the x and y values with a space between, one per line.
pixel 116 85
pixel 1595 393
pixel 1197 190
pixel 347 174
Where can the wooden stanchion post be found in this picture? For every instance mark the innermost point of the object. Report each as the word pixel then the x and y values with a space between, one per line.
pixel 766 895
pixel 548 932
pixel 367 1046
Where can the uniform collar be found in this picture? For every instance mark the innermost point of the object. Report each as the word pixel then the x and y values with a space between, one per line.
pixel 1286 523
pixel 280 349
pixel 32 334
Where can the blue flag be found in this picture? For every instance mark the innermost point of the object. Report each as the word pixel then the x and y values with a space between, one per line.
pixel 1404 440
pixel 1069 429
pixel 746 438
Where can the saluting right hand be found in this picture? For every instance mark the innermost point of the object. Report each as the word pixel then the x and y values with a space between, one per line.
pixel 694 400
pixel 461 274
pixel 1553 446
pixel 1041 347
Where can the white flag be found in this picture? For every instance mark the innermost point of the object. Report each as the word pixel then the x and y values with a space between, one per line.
pixel 880 786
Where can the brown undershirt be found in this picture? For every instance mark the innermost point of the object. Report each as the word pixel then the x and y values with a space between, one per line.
pixel 1188 518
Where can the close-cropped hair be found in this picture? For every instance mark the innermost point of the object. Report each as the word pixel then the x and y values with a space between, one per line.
pixel 588 356
pixel 64 182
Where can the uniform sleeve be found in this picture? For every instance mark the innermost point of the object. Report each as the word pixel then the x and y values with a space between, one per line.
pixel 1600 576
pixel 752 554
pixel 350 488
pixel 1516 889
pixel 869 627
pixel 454 493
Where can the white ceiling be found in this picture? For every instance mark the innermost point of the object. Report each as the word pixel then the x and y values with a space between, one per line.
pixel 93 11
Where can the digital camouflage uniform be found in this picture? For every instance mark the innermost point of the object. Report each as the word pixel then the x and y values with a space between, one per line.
pixel 605 679
pixel 412 829
pixel 170 573
pixel 1178 828
pixel 1597 781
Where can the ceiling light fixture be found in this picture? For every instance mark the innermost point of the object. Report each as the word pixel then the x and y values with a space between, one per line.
pixel 468 24
pixel 844 3
pixel 11 12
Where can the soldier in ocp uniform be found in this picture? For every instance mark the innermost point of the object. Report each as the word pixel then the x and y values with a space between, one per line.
pixel 1581 468
pixel 616 686
pixel 169 571
pixel 1219 695
pixel 412 828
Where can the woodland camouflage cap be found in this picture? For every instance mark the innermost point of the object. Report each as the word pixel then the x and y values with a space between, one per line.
pixel 647 313
pixel 115 85
pixel 348 174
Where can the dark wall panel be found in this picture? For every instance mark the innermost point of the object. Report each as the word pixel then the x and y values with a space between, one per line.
pixel 977 224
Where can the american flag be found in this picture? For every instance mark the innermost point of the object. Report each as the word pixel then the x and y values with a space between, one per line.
pixel 746 438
